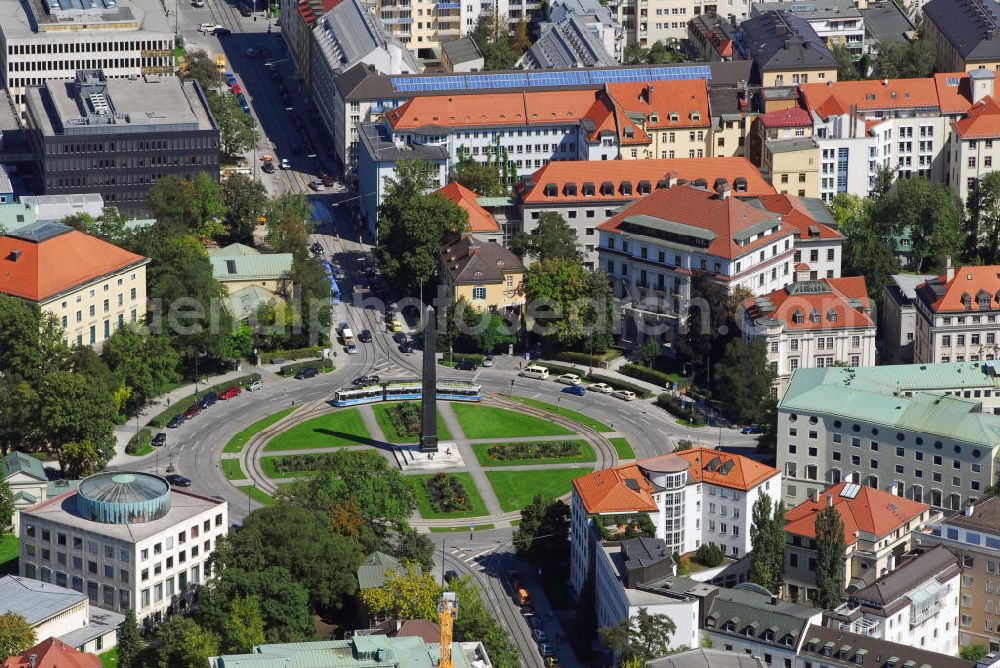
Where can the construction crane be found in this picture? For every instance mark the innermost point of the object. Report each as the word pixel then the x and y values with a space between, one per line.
pixel 447 611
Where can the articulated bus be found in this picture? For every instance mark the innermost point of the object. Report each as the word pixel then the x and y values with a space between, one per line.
pixel 447 390
pixel 458 390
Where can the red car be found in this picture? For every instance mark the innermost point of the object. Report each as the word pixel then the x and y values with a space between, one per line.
pixel 236 89
pixel 230 393
pixel 193 410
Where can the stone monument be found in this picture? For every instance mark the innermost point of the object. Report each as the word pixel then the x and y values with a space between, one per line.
pixel 428 423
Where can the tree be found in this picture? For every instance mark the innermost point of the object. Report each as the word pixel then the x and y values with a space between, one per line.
pixel 284 603
pixel 109 226
pixel 245 199
pixel 649 351
pixel 130 643
pixel 983 220
pixel 494 42
pixel 644 637
pixel 706 322
pixel 542 538
pixel 767 543
pixel 288 224
pixel 7 508
pixel 480 331
pixel 202 69
pixel 413 546
pixel 482 178
pixel 16 635
pixel 830 555
pixel 571 306
pixel 846 68
pixel 868 244
pixel 635 54
pixel 182 643
pixel 412 594
pixel 78 419
pixel 412 227
pixel 244 627
pixel 476 622
pixel 904 60
pixel 237 129
pixel 31 342
pixel 974 652
pixel 742 380
pixel 929 213
pixel 709 554
pixel 210 208
pixel 142 362
pixel 553 238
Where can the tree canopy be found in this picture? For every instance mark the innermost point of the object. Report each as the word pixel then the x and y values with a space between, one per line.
pixel 767 543
pixel 245 199
pixel 929 213
pixel 182 643
pixel 542 538
pixel 644 637
pixel 742 381
pixel 983 220
pixel 904 60
pixel 411 594
pixel 284 603
pixel 16 635
pixel 553 238
pixel 830 555
pixel 568 304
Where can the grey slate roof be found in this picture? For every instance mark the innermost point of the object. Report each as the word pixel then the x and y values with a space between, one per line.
pixel 874 651
pixel 791 145
pixel 938 562
pixel 35 600
pixel 560 9
pixel 350 31
pixel 885 21
pixel 471 260
pixel 706 658
pixel 813 9
pixel 750 605
pixel 565 45
pixel 17 462
pixel 779 40
pixel 985 517
pixel 970 26
pixel 461 50
pixel 101 623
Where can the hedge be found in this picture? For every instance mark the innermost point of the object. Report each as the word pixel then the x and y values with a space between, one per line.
pixel 294 354
pixel 136 443
pixel 558 369
pixel 458 358
pixel 588 359
pixel 653 376
pixel 675 407
pixel 640 392
pixel 322 366
pixel 180 406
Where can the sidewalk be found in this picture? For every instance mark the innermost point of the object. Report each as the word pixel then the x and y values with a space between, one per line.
pixel 617 375
pixel 126 431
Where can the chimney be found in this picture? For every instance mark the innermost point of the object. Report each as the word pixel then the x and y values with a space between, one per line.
pixel 802 274
pixel 970 507
pixel 671 179
pixel 32 660
pixel 885 82
pixel 949 271
pixel 829 501
pixel 723 191
pixel 890 563
pixel 774 600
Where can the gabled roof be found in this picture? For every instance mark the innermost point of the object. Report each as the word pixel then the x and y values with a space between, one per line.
pixel 623 489
pixel 808 215
pixel 234 250
pixel 480 220
pixel 269 266
pixel 865 651
pixel 35 600
pixel 470 260
pixel 52 653
pixel 981 122
pixel 751 606
pixel 568 43
pixel 781 41
pixel 726 470
pixel 837 98
pixel 794 117
pixel 43 260
pixel 371 572
pixel 861 508
pixel 350 31
pixel 824 304
pixel 18 462
pixel 970 26
pixel 964 292
pixel 935 565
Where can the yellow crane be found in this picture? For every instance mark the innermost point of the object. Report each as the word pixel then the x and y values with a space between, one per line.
pixel 447 611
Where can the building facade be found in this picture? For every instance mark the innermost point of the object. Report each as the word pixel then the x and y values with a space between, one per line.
pixel 127 540
pixel 898 318
pixel 963 34
pixel 667 20
pixel 486 275
pixel 956 316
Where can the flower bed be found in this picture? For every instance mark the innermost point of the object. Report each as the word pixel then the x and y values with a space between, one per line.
pixel 292 464
pixel 405 419
pixel 533 450
pixel 447 494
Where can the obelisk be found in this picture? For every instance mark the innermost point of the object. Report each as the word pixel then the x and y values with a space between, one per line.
pixel 428 422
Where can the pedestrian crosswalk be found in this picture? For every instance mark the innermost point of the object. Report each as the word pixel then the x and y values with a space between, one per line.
pixel 474 559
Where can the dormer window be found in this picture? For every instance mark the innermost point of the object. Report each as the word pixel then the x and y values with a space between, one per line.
pixel 814 316
pixel 607 188
pixel 967 300
pixel 748 632
pixel 626 187
pixel 729 627
pixel 551 190
pixel 798 317
pixel 589 189
pixel 654 118
pixel 695 116
pixel 570 189
pixel 832 316
pixel 674 117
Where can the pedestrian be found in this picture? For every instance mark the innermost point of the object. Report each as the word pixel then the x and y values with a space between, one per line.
pixel 168 401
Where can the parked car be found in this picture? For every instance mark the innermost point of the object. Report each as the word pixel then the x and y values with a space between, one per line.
pixel 450 575
pixel 208 400
pixel 176 421
pixel 197 3
pixel 467 365
pixel 285 164
pixel 536 623
pixel 625 395
pixel 268 168
pixel 539 635
pixel 308 372
pixel 752 429
pixel 365 336
pixel 366 380
pixel 569 379
pixel 603 388
pixel 488 361
pixel 399 337
pixel 255 385
pixel 578 390
pixel 178 480
pixel 159 440
pixel 192 410
pixel 231 392
pixel 317 185
pixel 352 348
pixel 208 28
pixel 406 348
pixel 245 10
pixel 316 248
pixel 222 32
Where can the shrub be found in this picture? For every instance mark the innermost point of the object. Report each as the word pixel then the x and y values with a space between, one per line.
pixel 178 407
pixel 709 555
pixel 533 450
pixel 624 527
pixel 640 392
pixel 299 463
pixel 586 358
pixel 447 494
pixel 293 354
pixel 458 358
pixel 646 374
pixel 137 442
pixel 675 407
pixel 323 365
pixel 405 418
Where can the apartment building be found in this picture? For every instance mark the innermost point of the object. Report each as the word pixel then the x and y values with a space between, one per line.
pixel 956 315
pixel 963 34
pixel 935 448
pixel 566 43
pixel 92 287
pixel 835 648
pixel 898 318
pixel 45 41
pixel 975 138
pixel 785 50
pixel 818 242
pixel 914 604
pixel 486 275
pixel 297 20
pixel 812 323
pixel 667 20
pixel 128 540
pixel 586 194
pixel 717 39
pixel 117 137
pixel 789 158
pixel 974 535
pixel 877 528
pixel 684 499
pixel 837 22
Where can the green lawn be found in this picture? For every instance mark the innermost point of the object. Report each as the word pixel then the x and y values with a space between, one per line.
pixel 389 431
pixel 491 422
pixel 237 442
pixel 232 470
pixel 586 455
pixel 623 448
pixel 516 489
pixel 257 495
pixel 586 421
pixel 341 427
pixel 10 552
pixel 424 499
pixel 479 527
pixel 109 659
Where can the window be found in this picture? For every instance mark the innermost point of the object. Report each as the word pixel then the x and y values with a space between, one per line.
pixel 478 293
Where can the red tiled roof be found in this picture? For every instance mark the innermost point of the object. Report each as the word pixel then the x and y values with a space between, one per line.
pixel 52 653
pixel 707 466
pixel 37 271
pixel 833 307
pixel 794 212
pixel 704 209
pixel 687 98
pixel 952 99
pixel 480 220
pixel 795 117
pixel 608 491
pixel 577 172
pixel 836 98
pixel 982 120
pixel 310 10
pixel 972 282
pixel 870 510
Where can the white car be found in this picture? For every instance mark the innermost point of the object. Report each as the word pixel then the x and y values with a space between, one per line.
pixel 626 395
pixel 285 164
pixel 198 3
pixel 603 388
pixel 568 379
pixel 255 385
pixel 317 185
pixel 208 28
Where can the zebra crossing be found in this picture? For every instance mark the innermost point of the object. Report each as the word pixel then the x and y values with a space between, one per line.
pixel 474 559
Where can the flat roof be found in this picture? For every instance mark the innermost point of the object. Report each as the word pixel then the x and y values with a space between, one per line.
pixel 22 21
pixel 814 10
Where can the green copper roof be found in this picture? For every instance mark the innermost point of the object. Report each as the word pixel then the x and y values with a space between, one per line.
pixel 371 572
pixel 374 651
pixel 18 462
pixel 251 267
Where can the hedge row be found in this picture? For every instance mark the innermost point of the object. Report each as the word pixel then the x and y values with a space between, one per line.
pixel 458 358
pixel 294 354
pixel 559 370
pixel 178 407
pixel 588 359
pixel 323 366
pixel 653 376
pixel 676 407
pixel 640 392
pixel 137 442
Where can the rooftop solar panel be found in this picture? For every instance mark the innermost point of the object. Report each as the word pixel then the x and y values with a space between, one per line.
pixel 675 73
pixel 480 81
pixel 540 79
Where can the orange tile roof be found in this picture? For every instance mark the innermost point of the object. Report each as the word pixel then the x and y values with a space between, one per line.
pixel 783 304
pixel 982 120
pixel 870 510
pixel 744 475
pixel 52 653
pixel 480 220
pixel 794 117
pixel 704 209
pixel 686 98
pixel 47 268
pixel 953 99
pixel 941 295
pixel 839 97
pixel 579 172
pixel 607 491
pixel 793 211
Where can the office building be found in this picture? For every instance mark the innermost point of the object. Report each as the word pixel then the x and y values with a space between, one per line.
pixel 915 603
pixel 128 540
pixel 42 41
pixel 597 18
pixel 974 535
pixel 963 34
pixel 956 315
pixel 92 287
pixel 117 137
pixel 785 50
pixel 975 138
pixel 898 318
pixel 888 427
pixel 812 323
pixel 486 275
pixel 835 648
pixel 53 611
pixel 836 22
pixel 789 157
pixel 684 499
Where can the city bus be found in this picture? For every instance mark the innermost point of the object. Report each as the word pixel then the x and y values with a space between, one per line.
pixel 351 396
pixel 332 280
pixel 458 390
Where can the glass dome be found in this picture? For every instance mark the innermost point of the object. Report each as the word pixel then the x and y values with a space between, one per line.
pixel 123 498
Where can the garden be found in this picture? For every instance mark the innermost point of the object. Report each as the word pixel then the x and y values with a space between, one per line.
pixel 624 527
pixel 286 466
pixel 447 496
pixel 533 452
pixel 341 427
pixel 400 422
